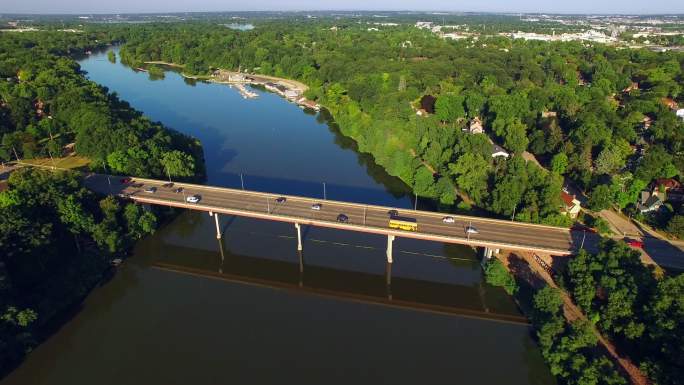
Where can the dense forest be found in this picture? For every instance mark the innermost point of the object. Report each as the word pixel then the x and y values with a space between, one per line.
pixel 56 237
pixel 591 115
pixel 598 116
pixel 47 103
pixel 56 240
pixel 642 313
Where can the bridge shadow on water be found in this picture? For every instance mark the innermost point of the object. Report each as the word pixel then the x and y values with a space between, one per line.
pixel 293 272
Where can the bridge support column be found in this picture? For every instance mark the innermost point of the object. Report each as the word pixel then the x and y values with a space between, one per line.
pixel 488 252
pixel 390 240
pixel 299 236
pixel 218 229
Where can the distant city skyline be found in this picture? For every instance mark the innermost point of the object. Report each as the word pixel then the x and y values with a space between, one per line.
pixel 168 6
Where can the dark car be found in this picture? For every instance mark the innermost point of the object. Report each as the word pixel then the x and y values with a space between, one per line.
pixel 178 190
pixel 125 180
pixel 137 185
pixel 342 218
pixel 151 190
pixel 280 200
pixel 167 185
pixel 393 213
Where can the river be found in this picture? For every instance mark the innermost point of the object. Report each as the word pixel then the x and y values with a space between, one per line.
pixel 189 309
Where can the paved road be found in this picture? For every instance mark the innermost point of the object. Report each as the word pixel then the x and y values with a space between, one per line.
pixel 366 218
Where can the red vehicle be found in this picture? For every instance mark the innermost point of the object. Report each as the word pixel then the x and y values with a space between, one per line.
pixel 635 244
pixel 126 180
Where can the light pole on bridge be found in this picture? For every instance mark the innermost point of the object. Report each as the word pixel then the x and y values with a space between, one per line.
pixel 325 197
pixel 242 182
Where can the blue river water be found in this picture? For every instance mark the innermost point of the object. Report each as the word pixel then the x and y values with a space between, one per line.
pixel 187 308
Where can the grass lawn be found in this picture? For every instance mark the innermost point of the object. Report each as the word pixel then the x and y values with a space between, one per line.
pixel 69 162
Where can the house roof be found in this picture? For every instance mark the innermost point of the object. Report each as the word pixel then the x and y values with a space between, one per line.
pixel 668 183
pixel 496 149
pixel 669 103
pixel 427 102
pixel 567 198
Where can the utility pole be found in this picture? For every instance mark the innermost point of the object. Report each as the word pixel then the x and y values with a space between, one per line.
pixel 52 160
pixel 268 206
pixel 168 173
pixel 242 182
pixel 513 216
pixel 109 182
pixel 415 203
pixel 325 196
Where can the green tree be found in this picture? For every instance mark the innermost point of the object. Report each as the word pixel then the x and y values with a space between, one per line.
pixel 600 198
pixel 471 173
pixel 178 163
pixel 497 275
pixel 559 163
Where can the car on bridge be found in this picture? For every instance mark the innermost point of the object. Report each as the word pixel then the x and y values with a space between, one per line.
pixel 193 199
pixel 448 220
pixel 342 218
pixel 151 190
pixel 168 185
pixel 472 230
pixel 316 206
pixel 393 213
pixel 178 190
pixel 281 200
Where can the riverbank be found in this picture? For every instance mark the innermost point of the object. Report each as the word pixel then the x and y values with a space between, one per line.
pixel 534 274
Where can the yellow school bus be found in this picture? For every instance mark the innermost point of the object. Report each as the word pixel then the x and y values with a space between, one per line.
pixel 403 223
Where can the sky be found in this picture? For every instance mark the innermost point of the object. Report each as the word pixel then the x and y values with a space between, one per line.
pixel 157 6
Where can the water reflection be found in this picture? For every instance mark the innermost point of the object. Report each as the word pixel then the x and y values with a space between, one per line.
pixel 364 275
pixel 186 309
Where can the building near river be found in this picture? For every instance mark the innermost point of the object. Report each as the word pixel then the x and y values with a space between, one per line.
pixel 498 151
pixel 571 205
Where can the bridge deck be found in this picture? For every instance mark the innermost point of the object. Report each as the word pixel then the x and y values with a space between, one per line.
pixel 364 218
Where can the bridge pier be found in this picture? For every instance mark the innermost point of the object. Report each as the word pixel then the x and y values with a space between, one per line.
pixel 390 240
pixel 487 253
pixel 388 280
pixel 216 220
pixel 301 268
pixel 299 236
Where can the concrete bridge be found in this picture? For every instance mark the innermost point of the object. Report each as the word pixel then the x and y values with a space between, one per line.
pixel 492 234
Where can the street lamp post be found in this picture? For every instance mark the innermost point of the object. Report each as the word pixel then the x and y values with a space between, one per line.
pixel 268 205
pixel 415 203
pixel 242 182
pixel 109 182
pixel 325 196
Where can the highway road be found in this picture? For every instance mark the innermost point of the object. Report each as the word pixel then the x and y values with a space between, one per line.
pixel 492 233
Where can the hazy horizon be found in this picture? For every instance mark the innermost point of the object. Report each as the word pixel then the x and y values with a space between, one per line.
pixel 79 7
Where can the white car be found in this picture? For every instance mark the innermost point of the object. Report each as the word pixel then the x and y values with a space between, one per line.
pixel 471 230
pixel 193 199
pixel 316 206
pixel 448 220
